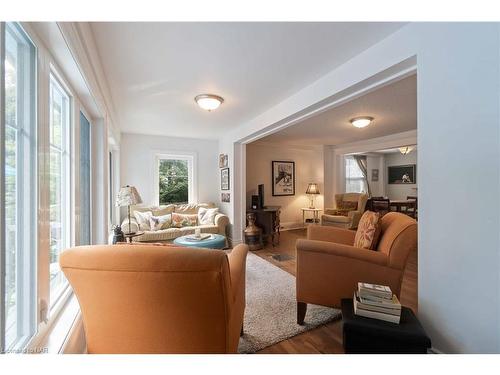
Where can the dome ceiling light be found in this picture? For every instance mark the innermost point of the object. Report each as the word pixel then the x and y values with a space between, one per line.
pixel 405 150
pixel 209 102
pixel 361 122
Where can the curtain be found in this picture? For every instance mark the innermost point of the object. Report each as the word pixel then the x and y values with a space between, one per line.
pixel 363 166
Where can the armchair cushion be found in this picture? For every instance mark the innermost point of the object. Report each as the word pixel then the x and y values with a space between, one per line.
pixel 348 206
pixel 368 231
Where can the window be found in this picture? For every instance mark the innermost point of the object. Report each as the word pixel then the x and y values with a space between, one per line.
pixel 85 178
pixel 354 180
pixel 175 181
pixel 20 195
pixel 111 187
pixel 59 183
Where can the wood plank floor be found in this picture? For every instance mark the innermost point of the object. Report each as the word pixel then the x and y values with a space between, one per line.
pixel 327 338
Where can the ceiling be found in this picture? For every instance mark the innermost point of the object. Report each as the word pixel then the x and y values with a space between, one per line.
pixel 393 107
pixel 155 70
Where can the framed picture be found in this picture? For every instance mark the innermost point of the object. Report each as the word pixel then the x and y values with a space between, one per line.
pixel 224 179
pixel 402 174
pixel 223 161
pixel 283 178
pixel 374 174
pixel 225 197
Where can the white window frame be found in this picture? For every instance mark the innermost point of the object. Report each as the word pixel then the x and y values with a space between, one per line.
pixel 69 168
pixel 190 157
pixel 79 108
pixel 346 179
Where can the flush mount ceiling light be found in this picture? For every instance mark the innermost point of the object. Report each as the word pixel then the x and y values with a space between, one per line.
pixel 208 102
pixel 361 122
pixel 405 150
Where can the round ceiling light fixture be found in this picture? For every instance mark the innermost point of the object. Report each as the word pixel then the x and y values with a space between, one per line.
pixel 405 150
pixel 209 102
pixel 361 122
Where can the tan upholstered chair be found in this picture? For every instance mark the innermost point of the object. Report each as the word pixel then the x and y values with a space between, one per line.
pixel 331 216
pixel 158 299
pixel 329 267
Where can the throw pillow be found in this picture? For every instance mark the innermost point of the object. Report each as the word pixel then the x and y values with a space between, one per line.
pixel 160 222
pixel 180 220
pixel 348 205
pixel 142 219
pixel 206 216
pixel 368 231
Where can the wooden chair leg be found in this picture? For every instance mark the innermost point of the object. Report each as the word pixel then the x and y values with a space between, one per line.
pixel 241 332
pixel 301 312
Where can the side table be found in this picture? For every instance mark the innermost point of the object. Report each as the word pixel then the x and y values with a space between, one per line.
pixel 315 212
pixel 372 336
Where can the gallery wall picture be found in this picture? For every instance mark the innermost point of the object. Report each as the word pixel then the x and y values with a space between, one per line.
pixel 374 174
pixel 402 174
pixel 283 178
pixel 223 161
pixel 224 179
pixel 225 197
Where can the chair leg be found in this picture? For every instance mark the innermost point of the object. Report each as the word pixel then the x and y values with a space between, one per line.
pixel 301 312
pixel 241 332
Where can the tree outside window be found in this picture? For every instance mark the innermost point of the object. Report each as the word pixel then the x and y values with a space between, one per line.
pixel 174 181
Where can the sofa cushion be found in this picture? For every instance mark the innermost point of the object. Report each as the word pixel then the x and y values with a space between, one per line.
pixel 160 222
pixel 163 210
pixel 368 232
pixel 336 218
pixel 203 228
pixel 191 208
pixel 206 216
pixel 142 219
pixel 159 235
pixel 182 220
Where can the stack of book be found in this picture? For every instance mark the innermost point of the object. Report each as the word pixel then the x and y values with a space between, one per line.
pixel 377 302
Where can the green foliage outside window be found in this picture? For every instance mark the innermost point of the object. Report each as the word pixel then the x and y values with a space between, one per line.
pixel 174 181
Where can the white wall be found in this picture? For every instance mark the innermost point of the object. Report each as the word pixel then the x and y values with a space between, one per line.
pixel 138 166
pixel 459 139
pixel 400 191
pixel 308 168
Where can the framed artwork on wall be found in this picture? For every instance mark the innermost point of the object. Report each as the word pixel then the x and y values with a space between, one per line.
pixel 224 179
pixel 374 175
pixel 402 174
pixel 223 161
pixel 283 178
pixel 225 197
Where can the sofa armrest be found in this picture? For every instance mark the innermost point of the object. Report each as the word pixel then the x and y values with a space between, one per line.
pixel 331 234
pixel 222 221
pixel 343 250
pixel 134 227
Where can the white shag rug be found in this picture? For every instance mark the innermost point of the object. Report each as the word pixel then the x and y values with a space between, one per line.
pixel 271 312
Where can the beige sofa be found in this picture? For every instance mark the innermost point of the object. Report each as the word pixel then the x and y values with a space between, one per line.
pixel 219 227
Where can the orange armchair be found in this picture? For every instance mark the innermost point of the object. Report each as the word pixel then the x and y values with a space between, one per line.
pixel 329 267
pixel 158 299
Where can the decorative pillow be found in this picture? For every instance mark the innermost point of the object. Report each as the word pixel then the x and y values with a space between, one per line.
pixel 142 219
pixel 206 216
pixel 160 222
pixel 180 220
pixel 368 231
pixel 348 205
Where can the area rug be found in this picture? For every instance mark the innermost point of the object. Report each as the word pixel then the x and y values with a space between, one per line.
pixel 271 314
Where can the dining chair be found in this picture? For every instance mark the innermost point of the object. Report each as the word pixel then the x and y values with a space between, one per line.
pixel 412 211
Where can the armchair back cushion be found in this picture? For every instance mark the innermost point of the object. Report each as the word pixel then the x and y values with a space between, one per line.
pixel 158 299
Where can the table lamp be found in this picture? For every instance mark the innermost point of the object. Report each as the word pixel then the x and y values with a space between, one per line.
pixel 128 196
pixel 312 191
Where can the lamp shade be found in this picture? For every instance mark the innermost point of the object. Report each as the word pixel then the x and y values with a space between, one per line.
pixel 128 196
pixel 312 188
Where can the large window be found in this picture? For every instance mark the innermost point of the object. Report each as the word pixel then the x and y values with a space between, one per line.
pixel 175 179
pixel 59 183
pixel 85 178
pixel 20 192
pixel 354 179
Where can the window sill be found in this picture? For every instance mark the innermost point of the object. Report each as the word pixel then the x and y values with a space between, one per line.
pixel 58 335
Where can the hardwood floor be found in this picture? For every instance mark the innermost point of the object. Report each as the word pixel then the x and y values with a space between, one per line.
pixel 327 338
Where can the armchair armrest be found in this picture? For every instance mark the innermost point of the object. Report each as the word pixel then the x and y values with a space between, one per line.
pixel 342 250
pixel 134 227
pixel 237 265
pixel 222 221
pixel 331 234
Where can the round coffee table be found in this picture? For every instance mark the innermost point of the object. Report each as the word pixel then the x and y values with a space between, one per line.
pixel 215 241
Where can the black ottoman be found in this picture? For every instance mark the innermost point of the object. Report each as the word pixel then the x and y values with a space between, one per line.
pixel 365 335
